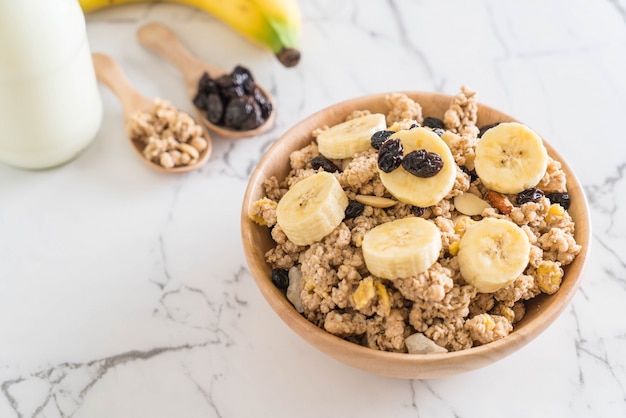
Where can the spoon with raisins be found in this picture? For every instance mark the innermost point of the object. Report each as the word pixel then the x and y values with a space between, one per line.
pixel 168 155
pixel 231 104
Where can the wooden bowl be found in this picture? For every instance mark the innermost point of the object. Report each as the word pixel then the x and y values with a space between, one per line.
pixel 540 311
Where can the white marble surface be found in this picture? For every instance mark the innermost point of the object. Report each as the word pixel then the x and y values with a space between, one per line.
pixel 125 292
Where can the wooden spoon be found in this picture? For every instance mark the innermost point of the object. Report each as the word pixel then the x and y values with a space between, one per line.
pixel 109 73
pixel 164 42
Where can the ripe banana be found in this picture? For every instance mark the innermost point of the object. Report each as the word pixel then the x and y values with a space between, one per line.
pixel 401 248
pixel 418 191
pixel 510 158
pixel 492 254
pixel 274 24
pixel 347 138
pixel 312 208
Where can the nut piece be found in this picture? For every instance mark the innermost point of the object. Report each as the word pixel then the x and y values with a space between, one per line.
pixel 499 202
pixel 375 201
pixel 166 160
pixel 188 149
pixel 470 204
pixel 198 143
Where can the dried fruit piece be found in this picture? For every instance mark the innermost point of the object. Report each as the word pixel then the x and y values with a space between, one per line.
pixel 242 113
pixel 379 137
pixel 325 164
pixel 232 100
pixel 431 122
pixel 529 195
pixel 390 155
pixel 418 210
pixel 422 163
pixel 364 293
pixel 471 173
pixel 485 128
pixel 280 278
pixel 354 209
pixel 560 198
pixel 215 108
pixel 499 202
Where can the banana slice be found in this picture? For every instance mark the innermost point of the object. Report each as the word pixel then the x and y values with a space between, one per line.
pixel 347 138
pixel 417 191
pixel 492 254
pixel 401 248
pixel 312 208
pixel 510 158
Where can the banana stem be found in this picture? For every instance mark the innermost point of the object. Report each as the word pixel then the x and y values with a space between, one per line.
pixel 289 57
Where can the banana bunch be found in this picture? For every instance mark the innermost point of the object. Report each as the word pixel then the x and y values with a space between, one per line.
pixel 274 24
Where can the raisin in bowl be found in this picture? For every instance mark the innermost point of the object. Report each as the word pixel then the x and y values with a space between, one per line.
pixel 380 353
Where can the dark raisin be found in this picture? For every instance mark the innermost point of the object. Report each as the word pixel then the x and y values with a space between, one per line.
pixel 471 173
pixel 240 75
pixel 422 163
pixel 200 101
pixel 225 81
pixel 242 113
pixel 231 92
pixel 560 198
pixel 529 195
pixel 254 119
pixel 433 123
pixel 325 164
pixel 248 87
pixel 418 210
pixel 414 125
pixel 379 137
pixel 439 131
pixel 215 108
pixel 264 104
pixel 207 84
pixel 485 128
pixel 354 209
pixel 390 155
pixel 280 278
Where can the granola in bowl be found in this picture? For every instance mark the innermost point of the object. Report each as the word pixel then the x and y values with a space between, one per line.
pixel 351 288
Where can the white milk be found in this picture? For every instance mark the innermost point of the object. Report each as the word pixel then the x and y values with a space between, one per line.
pixel 50 106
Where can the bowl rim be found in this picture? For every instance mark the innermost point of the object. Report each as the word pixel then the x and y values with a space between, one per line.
pixel 404 365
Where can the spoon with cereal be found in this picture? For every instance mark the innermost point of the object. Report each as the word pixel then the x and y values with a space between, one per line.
pixel 165 138
pixel 231 104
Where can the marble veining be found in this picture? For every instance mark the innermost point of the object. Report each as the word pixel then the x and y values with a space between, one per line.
pixel 125 293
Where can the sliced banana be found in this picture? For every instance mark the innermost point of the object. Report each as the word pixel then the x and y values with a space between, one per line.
pixel 417 191
pixel 470 204
pixel 492 254
pixel 312 208
pixel 350 137
pixel 401 248
pixel 510 158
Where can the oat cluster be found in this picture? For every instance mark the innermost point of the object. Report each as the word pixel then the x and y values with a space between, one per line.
pixel 331 286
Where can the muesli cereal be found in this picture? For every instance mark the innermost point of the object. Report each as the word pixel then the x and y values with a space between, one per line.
pixel 363 280
pixel 171 138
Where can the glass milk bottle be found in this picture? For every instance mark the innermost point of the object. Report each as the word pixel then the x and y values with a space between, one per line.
pixel 50 105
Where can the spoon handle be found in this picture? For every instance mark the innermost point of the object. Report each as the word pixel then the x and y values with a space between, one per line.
pixel 109 73
pixel 164 42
